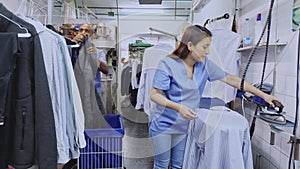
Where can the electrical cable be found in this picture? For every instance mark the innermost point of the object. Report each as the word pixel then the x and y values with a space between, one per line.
pixel 268 23
pixel 243 107
pixel 283 53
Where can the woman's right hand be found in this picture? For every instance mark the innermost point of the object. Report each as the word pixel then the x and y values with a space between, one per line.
pixel 187 112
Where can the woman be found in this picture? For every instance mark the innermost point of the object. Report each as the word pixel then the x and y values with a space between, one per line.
pixel 177 88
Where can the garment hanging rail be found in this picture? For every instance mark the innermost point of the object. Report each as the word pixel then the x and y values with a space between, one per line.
pixel 90 12
pixel 166 33
pixel 82 14
pixel 33 9
pixel 37 6
pixel 28 7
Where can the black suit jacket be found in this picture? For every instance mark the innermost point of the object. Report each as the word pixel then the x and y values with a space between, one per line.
pixel 28 135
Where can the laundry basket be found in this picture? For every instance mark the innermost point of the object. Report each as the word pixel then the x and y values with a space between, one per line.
pixel 104 148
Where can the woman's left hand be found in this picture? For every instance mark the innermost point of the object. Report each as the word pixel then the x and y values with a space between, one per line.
pixel 187 112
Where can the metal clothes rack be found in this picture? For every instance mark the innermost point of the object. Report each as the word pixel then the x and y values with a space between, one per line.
pixel 166 33
pixel 33 9
pixel 46 9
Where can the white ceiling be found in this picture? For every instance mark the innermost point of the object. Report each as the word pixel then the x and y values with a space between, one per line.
pixel 168 8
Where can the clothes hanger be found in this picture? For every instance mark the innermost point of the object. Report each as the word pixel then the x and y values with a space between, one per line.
pixel 75 46
pixel 20 35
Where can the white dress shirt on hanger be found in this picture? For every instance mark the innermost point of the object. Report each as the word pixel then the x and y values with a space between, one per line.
pixel 151 58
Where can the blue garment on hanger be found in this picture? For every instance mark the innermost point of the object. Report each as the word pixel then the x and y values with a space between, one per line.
pixel 101 57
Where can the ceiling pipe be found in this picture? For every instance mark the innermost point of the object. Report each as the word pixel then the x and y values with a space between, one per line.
pixel 141 8
pixel 127 14
pixel 175 11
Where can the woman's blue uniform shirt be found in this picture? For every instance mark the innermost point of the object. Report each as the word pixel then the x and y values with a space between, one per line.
pixel 171 77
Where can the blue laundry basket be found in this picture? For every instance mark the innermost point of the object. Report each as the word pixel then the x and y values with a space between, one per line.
pixel 104 148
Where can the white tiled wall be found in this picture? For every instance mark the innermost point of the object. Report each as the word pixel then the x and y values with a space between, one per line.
pixel 266 156
pixel 280 71
pixel 284 60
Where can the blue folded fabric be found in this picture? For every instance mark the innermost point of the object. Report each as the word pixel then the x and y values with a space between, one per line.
pixel 207 103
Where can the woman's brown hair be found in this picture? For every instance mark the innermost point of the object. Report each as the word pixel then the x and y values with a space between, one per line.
pixel 192 34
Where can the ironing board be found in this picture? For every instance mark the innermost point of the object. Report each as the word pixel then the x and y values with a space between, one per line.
pixel 219 138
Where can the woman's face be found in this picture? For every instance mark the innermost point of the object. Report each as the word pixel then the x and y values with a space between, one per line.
pixel 199 51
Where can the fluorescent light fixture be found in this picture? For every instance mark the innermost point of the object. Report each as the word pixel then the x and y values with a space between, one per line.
pixel 150 1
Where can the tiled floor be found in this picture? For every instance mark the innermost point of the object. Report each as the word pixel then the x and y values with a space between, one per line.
pixel 137 148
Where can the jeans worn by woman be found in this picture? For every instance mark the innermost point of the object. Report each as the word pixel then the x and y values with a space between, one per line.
pixel 167 146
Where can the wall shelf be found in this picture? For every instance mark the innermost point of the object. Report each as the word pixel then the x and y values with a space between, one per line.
pixel 272 45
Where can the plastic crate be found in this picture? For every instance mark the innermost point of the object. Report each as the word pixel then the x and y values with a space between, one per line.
pixel 104 148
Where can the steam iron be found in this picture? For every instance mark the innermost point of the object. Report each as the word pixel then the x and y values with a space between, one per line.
pixel 273 114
